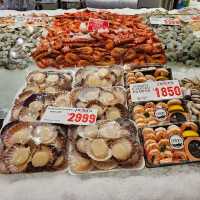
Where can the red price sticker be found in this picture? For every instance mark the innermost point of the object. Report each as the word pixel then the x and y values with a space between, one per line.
pixel 76 116
pixel 155 91
pixel 97 25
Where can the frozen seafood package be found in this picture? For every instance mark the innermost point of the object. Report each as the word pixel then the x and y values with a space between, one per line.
pixel 49 81
pixel 171 144
pixel 33 147
pixel 106 146
pixel 99 77
pixel 159 113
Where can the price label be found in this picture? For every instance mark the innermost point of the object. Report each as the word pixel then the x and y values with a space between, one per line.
pixel 97 25
pixel 155 91
pixel 76 116
pixel 165 21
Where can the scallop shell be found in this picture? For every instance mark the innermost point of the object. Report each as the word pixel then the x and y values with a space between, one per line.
pixel 122 149
pixel 89 94
pixel 41 157
pixel 88 131
pixel 98 150
pixel 115 112
pixel 120 95
pixel 17 134
pixel 110 130
pixel 36 77
pixel 59 162
pixel 81 145
pixel 15 111
pixel 106 165
pixel 107 98
pixel 27 116
pixel 44 134
pixel 36 106
pixel 52 79
pixel 63 100
pixel 79 164
pixel 17 158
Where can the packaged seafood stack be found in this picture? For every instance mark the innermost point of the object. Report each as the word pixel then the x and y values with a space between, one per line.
pixel 33 147
pixel 99 77
pixel 170 145
pixel 141 76
pixel 192 93
pixel 159 113
pixel 106 146
pixel 30 107
pixel 50 82
pixel 100 39
pixel 110 103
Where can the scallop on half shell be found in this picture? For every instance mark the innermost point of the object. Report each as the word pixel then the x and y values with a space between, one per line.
pixel 90 131
pixel 98 150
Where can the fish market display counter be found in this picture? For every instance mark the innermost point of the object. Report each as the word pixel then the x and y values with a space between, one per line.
pixel 106 160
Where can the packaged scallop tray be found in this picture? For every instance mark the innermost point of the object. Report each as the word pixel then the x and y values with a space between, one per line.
pixel 106 146
pixel 30 107
pixel 110 103
pixel 99 77
pixel 159 113
pixel 33 147
pixel 141 76
pixel 171 144
pixel 49 81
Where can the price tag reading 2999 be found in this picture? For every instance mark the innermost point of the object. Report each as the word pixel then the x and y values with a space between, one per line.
pixel 155 91
pixel 76 116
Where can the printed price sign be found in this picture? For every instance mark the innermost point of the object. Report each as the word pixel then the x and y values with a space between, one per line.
pixel 155 91
pixel 77 116
pixel 165 21
pixel 97 25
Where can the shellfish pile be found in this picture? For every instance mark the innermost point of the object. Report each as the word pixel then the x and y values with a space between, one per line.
pixel 160 149
pixel 30 107
pixel 110 103
pixel 69 43
pixel 30 147
pixel 20 57
pixel 194 98
pixel 157 113
pixel 49 82
pixel 99 77
pixel 105 146
pixel 180 44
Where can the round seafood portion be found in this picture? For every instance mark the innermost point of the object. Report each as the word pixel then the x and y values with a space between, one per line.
pixel 105 146
pixel 32 147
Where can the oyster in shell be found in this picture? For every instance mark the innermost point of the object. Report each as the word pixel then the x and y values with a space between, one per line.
pixel 105 165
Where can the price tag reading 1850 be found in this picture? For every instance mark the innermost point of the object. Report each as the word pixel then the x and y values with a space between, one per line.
pixel 155 91
pixel 77 116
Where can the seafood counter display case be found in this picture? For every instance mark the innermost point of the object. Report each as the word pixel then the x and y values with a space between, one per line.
pixel 92 61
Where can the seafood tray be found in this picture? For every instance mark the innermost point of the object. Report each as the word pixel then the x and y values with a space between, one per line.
pixel 159 113
pixel 99 77
pixel 30 107
pixel 106 146
pixel 33 147
pixel 69 43
pixel 110 103
pixel 170 145
pixel 158 74
pixel 49 81
pixel 192 88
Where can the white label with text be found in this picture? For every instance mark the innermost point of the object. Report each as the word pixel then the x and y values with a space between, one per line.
pixel 76 116
pixel 164 21
pixel 155 91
